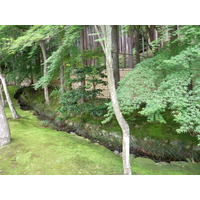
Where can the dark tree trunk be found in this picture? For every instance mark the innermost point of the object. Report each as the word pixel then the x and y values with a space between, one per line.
pixel 130 50
pixel 150 31
pixel 143 45
pixel 137 46
pixel 83 46
pixel 124 49
pixel 115 54
pixel 32 81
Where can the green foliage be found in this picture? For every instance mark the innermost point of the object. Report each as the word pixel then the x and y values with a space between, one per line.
pixel 170 80
pixel 35 34
pixel 68 47
pixel 72 101
pixel 72 105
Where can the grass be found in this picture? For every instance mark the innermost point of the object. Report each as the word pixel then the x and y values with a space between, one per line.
pixel 38 150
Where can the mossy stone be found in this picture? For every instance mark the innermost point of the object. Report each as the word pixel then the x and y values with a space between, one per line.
pixel 144 161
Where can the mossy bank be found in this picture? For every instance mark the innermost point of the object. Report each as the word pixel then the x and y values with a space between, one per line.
pixel 157 141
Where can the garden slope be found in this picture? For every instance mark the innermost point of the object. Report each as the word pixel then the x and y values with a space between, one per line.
pixel 38 150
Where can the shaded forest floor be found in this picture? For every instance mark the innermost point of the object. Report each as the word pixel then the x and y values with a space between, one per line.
pixel 38 150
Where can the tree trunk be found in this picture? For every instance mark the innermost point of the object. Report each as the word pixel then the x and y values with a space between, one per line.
pixel 130 49
pixel 155 34
pixel 83 46
pixel 32 81
pixel 150 31
pixel 62 82
pixel 143 45
pixel 120 40
pixel 62 71
pixel 4 128
pixel 137 48
pixel 107 48
pixel 15 115
pixel 124 49
pixel 115 54
pixel 1 96
pixel 46 91
pixel 172 35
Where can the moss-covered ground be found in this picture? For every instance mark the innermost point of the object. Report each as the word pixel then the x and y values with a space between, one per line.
pixel 138 123
pixel 38 150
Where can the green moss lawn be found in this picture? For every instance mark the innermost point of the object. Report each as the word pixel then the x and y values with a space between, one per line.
pixel 38 150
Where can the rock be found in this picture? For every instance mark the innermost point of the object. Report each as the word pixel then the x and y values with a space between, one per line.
pixel 162 163
pixel 115 135
pixel 70 123
pixel 116 152
pixel 141 160
pixel 178 163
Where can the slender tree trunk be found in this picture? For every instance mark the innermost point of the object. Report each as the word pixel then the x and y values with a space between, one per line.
pixel 155 34
pixel 83 46
pixel 143 45
pixel 150 31
pixel 159 33
pixel 130 50
pixel 32 81
pixel 62 71
pixel 172 35
pixel 124 49
pixel 46 91
pixel 4 127
pixel 13 66
pixel 62 82
pixel 15 115
pixel 1 96
pixel 120 41
pixel 178 27
pixel 137 47
pixel 107 48
pixel 115 54
pixel 38 63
